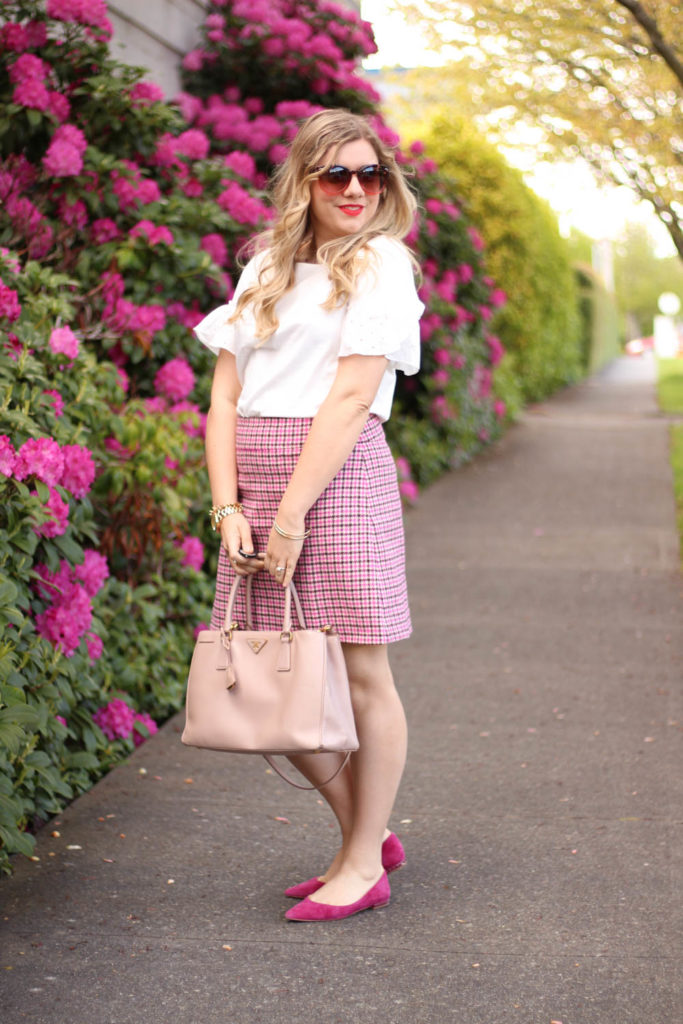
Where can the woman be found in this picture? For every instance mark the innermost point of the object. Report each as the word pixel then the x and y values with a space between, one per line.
pixel 323 316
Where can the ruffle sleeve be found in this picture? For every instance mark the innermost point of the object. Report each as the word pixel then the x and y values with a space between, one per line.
pixel 382 317
pixel 214 331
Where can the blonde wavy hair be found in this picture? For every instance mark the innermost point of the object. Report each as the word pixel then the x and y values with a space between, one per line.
pixel 290 240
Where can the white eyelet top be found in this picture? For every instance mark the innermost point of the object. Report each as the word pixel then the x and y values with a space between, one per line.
pixel 291 373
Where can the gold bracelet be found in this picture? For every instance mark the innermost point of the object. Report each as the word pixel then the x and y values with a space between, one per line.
pixel 218 512
pixel 291 536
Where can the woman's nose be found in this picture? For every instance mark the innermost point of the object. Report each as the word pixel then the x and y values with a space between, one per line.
pixel 353 188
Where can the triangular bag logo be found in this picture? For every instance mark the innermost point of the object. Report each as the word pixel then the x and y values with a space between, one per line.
pixel 257 645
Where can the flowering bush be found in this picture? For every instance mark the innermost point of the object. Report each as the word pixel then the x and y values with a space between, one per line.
pixel 252 56
pixel 120 220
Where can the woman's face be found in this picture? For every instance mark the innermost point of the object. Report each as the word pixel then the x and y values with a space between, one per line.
pixel 333 216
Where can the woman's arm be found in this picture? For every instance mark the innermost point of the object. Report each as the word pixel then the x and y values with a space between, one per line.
pixel 221 461
pixel 335 429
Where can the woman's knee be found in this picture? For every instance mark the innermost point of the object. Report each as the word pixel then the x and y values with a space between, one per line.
pixel 369 672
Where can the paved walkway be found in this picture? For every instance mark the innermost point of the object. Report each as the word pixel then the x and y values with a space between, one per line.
pixel 538 809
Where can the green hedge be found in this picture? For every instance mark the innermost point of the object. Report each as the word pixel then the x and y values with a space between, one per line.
pixel 539 326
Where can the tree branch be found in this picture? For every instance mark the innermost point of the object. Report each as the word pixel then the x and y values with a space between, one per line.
pixel 659 43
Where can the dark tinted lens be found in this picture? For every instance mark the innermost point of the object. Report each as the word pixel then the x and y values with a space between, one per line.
pixel 372 179
pixel 336 179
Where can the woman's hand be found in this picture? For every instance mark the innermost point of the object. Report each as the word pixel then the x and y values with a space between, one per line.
pixel 236 534
pixel 282 555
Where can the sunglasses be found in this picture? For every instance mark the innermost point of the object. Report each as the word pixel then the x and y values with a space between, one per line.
pixel 372 179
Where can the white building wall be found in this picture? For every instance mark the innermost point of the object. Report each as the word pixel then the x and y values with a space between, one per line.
pixel 156 34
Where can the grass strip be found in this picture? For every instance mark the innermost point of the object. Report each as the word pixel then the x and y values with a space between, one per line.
pixel 670 392
pixel 677 466
pixel 670 385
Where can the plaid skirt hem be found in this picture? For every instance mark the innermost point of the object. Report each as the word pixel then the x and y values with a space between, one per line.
pixel 351 572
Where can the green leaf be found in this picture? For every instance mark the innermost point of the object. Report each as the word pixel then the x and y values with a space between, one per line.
pixel 16 841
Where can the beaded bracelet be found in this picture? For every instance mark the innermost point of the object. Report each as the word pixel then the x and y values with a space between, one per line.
pixel 218 512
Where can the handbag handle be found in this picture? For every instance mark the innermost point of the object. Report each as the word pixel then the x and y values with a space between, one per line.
pixel 290 591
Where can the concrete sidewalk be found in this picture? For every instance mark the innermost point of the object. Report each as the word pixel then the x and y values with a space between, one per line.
pixel 538 809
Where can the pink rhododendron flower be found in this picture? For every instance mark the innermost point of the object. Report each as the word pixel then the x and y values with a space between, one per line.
pixel 73 214
pixel 465 273
pixel 56 400
pixel 175 379
pixel 14 37
pixel 482 380
pixel 58 105
pixel 417 148
pixel 193 60
pixel 157 404
pixel 216 248
pixel 10 306
pixel 94 645
pixel 241 206
pixel 92 572
pixel 104 230
pixel 195 425
pixel 31 93
pixel 241 163
pixel 61 720
pixel 114 447
pixel 64 623
pixel 59 516
pixel 193 552
pixel 497 298
pixel 144 93
pixel 440 378
pixel 154 233
pixel 124 382
pixel 403 468
pixel 64 155
pixel 86 12
pixel 41 457
pixel 79 470
pixel 193 143
pixel 442 357
pixel 144 719
pixel 476 239
pixel 190 106
pixel 149 318
pixel 193 188
pixel 27 68
pixel 409 490
pixel 278 154
pixel 499 408
pixel 7 456
pixel 496 350
pixel 63 341
pixel 115 719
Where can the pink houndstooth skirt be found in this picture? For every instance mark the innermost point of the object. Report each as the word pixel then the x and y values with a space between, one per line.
pixel 351 573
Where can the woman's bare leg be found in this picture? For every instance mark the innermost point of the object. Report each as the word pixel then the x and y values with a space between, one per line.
pixel 376 769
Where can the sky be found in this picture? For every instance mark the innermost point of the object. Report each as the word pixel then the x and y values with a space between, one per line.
pixel 570 188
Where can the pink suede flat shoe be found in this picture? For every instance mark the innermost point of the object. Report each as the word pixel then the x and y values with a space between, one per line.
pixel 377 896
pixel 393 858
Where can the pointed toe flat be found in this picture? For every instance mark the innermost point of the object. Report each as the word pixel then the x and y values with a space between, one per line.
pixel 377 896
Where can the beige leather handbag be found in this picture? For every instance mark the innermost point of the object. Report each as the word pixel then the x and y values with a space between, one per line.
pixel 263 692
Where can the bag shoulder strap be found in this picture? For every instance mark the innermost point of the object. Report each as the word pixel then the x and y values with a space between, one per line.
pixel 297 785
